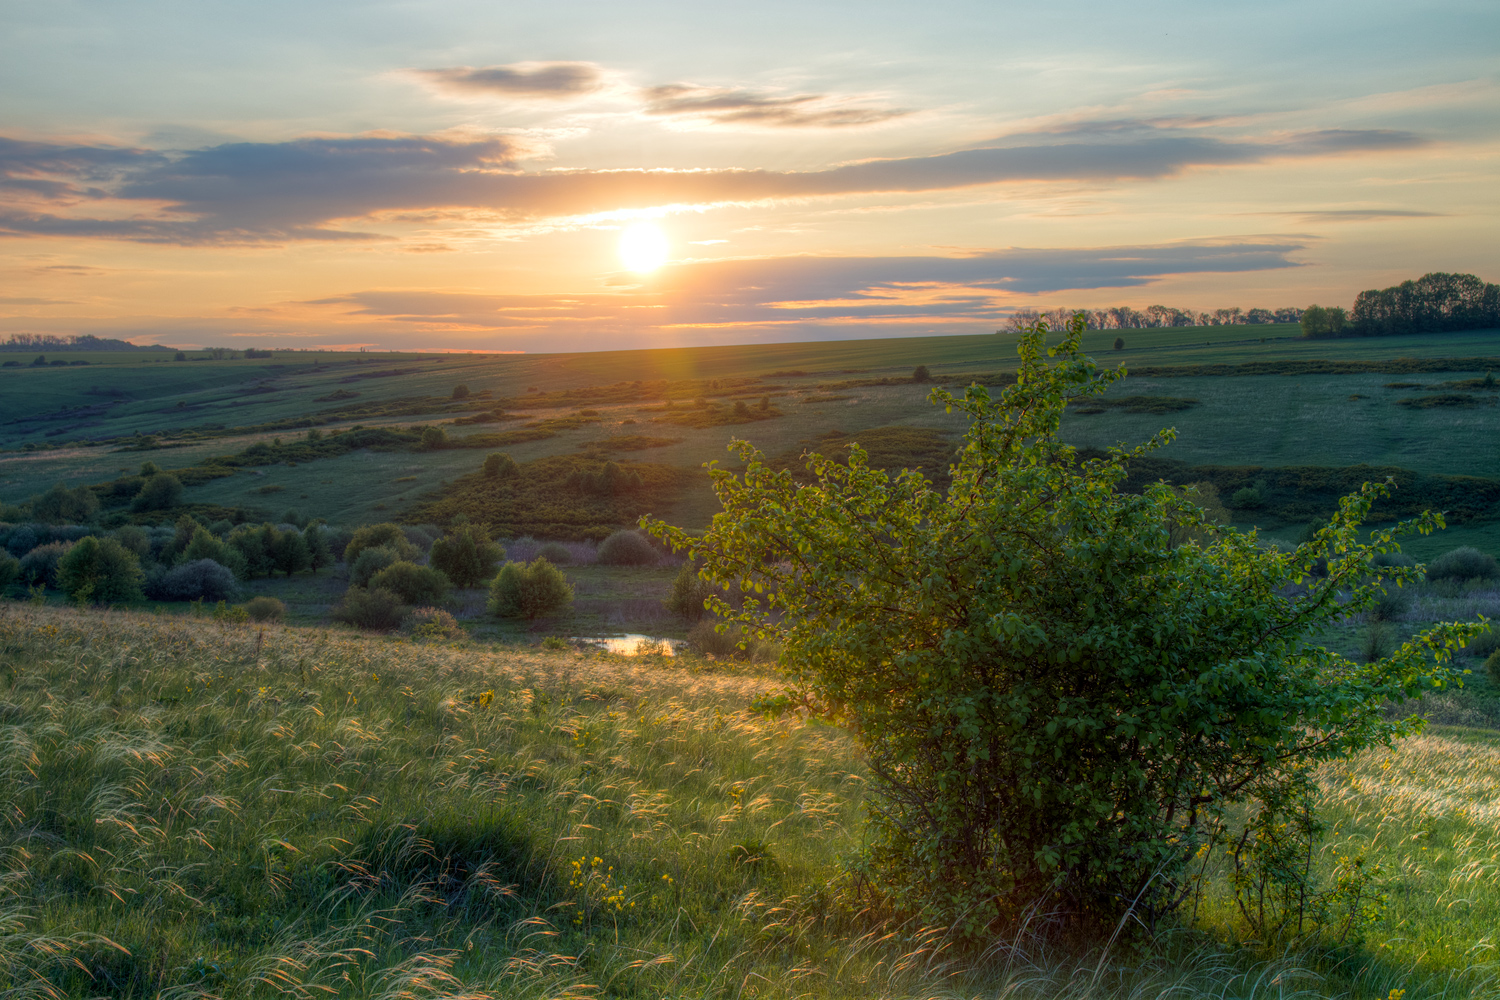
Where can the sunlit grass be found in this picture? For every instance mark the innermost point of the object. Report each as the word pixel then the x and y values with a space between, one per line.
pixel 196 809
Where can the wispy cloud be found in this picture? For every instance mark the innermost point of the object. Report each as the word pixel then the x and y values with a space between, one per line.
pixel 730 106
pixel 546 80
pixel 308 189
pixel 805 292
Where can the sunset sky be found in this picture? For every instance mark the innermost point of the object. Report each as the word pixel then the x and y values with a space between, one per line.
pixel 459 175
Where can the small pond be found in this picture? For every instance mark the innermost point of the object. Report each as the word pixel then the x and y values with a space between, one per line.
pixel 632 644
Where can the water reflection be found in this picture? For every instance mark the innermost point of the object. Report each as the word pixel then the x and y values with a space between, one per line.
pixel 633 644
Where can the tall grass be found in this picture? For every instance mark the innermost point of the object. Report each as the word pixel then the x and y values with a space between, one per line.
pixel 235 810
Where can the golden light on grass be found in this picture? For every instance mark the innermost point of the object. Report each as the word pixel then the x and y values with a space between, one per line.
pixel 643 247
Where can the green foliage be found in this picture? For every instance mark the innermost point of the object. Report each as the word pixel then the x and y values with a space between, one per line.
pixel 555 553
pixel 134 538
pixel 100 570
pixel 205 546
pixel 1484 644
pixel 1320 322
pixel 162 491
pixel 1136 404
pixel 376 609
pixel 1058 707
pixel 10 571
pixel 39 564
pixel 1492 668
pixel 628 548
pixel 412 583
pixel 921 374
pixel 372 561
pixel 499 466
pixel 372 535
pixel 531 590
pixel 319 550
pixel 434 439
pixel 1433 303
pixel 1450 400
pixel 265 609
pixel 1247 498
pixel 465 555
pixel 890 449
pixel 288 551
pixel 1463 563
pixel 460 391
pixel 60 505
pixel 1119 343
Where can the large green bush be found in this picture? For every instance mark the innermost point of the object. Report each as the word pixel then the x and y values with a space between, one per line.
pixel 375 609
pixel 531 590
pixel 159 492
pixel 412 583
pixel 466 555
pixel 1059 708
pixel 100 570
pixel 1463 563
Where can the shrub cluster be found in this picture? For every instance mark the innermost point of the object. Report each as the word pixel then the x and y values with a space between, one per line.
pixel 531 590
pixel 376 609
pixel 628 548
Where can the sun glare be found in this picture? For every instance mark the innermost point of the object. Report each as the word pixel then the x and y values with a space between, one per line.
pixel 643 247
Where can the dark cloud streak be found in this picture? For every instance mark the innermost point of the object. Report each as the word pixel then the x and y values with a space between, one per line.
pixel 551 81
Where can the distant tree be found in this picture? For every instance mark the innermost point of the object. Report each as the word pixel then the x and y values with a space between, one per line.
pixel 371 535
pixel 460 391
pixel 414 584
pixel 319 552
pixel 1119 343
pixel 1315 322
pixel 466 555
pixel 162 491
pixel 434 439
pixel 100 570
pixel 181 356
pixel 371 561
pixel 921 374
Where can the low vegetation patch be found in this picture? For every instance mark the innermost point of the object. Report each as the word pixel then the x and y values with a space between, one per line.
pixel 1136 404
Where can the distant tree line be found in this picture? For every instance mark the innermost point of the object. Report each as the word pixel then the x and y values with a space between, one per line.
pixel 1152 317
pixel 83 342
pixel 1434 303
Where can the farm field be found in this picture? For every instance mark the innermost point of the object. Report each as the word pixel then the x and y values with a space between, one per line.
pixel 239 809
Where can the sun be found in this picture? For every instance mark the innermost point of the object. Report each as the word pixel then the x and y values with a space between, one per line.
pixel 643 247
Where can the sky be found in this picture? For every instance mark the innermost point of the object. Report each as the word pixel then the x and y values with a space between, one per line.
pixel 455 175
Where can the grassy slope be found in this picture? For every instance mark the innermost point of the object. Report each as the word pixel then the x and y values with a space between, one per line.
pixel 230 810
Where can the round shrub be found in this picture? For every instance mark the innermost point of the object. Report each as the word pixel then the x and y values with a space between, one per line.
pixel 39 566
pixel 1248 498
pixel 555 553
pixel 529 590
pixel 200 579
pixel 100 570
pixel 1492 668
pixel 500 466
pixel 1463 563
pixel 466 555
pixel 628 548
pixel 1391 605
pixel 265 609
pixel 159 492
pixel 372 561
pixel 412 583
pixel 431 623
pixel 706 639
pixel 1484 645
pixel 375 535
pixel 22 540
pixel 376 609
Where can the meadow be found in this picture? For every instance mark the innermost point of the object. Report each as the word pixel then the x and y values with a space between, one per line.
pixel 202 808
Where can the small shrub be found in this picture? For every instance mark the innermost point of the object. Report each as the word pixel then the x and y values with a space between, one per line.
pixel 1492 668
pixel 555 643
pixel 376 609
pixel 1485 644
pixel 555 553
pixel 499 466
pixel 460 391
pixel 434 439
pixel 628 548
pixel 265 609
pixel 1377 642
pixel 689 591
pixel 372 561
pixel 466 555
pixel 431 623
pixel 412 583
pixel 531 590
pixel 198 580
pixel 159 492
pixel 921 374
pixel 1119 343
pixel 39 566
pixel 706 639
pixel 10 570
pixel 1463 563
pixel 1248 498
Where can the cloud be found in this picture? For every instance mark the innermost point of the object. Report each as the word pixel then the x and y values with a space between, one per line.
pixel 727 106
pixel 547 80
pixel 802 292
pixel 1360 214
pixel 307 189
